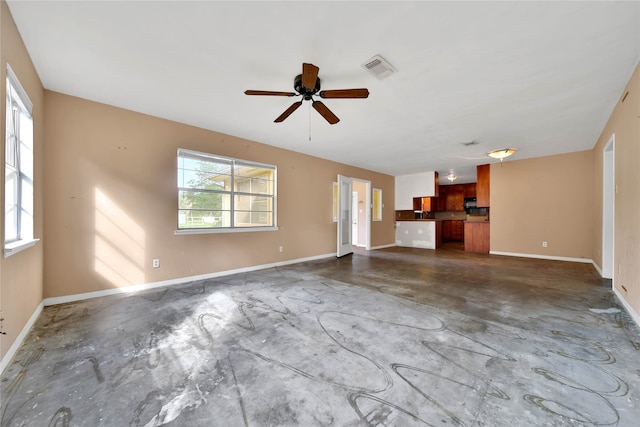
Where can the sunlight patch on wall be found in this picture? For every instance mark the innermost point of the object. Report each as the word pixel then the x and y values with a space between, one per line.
pixel 119 243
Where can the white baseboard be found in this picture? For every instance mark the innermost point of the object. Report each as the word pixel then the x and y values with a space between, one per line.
pixel 549 257
pixel 20 338
pixel 390 245
pixel 181 280
pixel 635 316
pixel 599 270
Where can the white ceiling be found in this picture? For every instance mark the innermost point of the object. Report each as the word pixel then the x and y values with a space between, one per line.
pixel 542 77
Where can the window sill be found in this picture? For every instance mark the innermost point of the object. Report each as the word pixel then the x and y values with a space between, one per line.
pixel 19 246
pixel 223 230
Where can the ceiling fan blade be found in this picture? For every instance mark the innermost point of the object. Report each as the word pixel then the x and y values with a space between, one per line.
pixel 344 93
pixel 309 75
pixel 325 112
pixel 288 112
pixel 269 93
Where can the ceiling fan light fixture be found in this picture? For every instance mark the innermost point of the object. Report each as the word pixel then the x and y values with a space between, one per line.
pixel 502 153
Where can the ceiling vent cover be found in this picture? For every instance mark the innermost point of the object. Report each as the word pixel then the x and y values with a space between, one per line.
pixel 379 67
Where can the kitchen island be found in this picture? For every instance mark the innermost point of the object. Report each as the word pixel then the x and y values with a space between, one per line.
pixel 419 233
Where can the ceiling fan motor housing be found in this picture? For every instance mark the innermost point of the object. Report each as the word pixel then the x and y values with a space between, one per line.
pixel 305 92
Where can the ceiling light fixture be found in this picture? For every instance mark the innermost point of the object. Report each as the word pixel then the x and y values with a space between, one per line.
pixel 452 177
pixel 501 154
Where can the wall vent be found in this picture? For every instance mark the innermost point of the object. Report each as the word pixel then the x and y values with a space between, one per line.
pixel 379 67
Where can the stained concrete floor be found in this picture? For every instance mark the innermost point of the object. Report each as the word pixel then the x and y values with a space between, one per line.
pixel 394 337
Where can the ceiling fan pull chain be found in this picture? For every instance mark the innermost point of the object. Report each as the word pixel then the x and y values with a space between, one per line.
pixel 309 121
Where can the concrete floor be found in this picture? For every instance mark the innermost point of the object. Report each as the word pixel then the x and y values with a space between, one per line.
pixel 394 337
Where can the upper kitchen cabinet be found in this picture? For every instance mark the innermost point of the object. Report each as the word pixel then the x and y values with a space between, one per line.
pixel 482 186
pixel 416 185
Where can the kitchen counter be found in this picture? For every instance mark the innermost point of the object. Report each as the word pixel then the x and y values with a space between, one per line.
pixel 419 233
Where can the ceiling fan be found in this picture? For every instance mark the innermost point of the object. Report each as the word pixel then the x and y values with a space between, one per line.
pixel 307 85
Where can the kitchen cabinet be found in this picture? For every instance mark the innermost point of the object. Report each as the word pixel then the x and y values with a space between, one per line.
pixel 483 185
pixel 469 190
pixel 446 230
pixel 452 197
pixel 457 230
pixel 476 236
pixel 424 204
pixel 441 200
pixel 455 201
pixel 453 230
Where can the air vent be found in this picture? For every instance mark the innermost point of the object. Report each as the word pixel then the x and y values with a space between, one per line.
pixel 379 67
pixel 470 143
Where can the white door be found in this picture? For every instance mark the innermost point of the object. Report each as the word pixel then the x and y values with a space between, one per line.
pixel 345 188
pixel 354 221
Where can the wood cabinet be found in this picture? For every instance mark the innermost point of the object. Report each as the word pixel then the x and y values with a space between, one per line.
pixel 455 201
pixel 457 230
pixel 477 236
pixel 452 197
pixel 424 204
pixel 446 230
pixel 453 230
pixel 483 185
pixel 469 190
pixel 441 200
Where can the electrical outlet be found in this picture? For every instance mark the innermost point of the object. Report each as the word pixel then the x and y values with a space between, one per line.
pixel 281 249
pixel 544 244
pixel 156 263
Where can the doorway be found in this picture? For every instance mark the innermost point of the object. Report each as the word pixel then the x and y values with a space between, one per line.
pixel 608 208
pixel 360 218
pixel 348 206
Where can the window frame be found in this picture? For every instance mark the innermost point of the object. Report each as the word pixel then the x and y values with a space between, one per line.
pixel 23 229
pixel 232 193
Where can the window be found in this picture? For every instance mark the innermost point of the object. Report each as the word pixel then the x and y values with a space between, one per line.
pixel 220 193
pixel 377 204
pixel 18 168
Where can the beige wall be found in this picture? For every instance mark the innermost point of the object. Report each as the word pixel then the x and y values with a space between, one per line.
pixel 111 201
pixel 625 124
pixel 543 199
pixel 21 274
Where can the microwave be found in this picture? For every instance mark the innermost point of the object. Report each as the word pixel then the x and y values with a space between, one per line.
pixel 470 203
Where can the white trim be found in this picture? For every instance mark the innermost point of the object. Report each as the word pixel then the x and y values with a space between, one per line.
pixel 20 338
pixel 549 257
pixel 19 246
pixel 599 270
pixel 222 230
pixel 182 280
pixel 390 245
pixel 13 78
pixel 608 208
pixel 635 316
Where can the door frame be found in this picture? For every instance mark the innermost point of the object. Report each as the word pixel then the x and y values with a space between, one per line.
pixel 365 240
pixel 344 229
pixel 345 208
pixel 608 208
